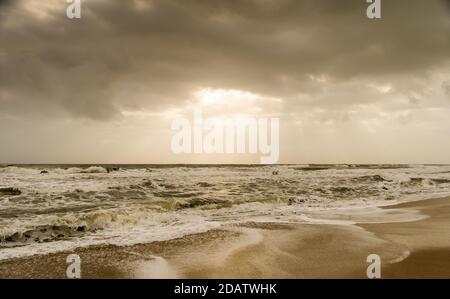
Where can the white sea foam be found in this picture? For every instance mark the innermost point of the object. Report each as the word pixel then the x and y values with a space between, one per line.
pixel 67 207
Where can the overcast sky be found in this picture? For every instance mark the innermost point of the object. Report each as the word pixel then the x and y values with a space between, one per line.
pixel 105 88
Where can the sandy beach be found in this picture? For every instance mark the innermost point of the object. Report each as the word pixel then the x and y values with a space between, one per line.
pixel 412 240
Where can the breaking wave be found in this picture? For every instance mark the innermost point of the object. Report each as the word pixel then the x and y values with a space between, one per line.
pixel 46 205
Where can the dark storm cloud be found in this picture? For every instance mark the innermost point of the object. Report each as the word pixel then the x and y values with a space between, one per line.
pixel 447 2
pixel 123 55
pixel 4 3
pixel 446 87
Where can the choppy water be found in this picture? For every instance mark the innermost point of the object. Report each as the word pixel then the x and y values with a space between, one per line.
pixel 49 208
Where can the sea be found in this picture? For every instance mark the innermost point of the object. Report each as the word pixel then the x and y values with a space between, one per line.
pixel 51 208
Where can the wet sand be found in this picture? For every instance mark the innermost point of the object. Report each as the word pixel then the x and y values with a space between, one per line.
pixel 412 239
pixel 427 240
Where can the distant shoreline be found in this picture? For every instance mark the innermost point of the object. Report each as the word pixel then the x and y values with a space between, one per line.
pixel 193 165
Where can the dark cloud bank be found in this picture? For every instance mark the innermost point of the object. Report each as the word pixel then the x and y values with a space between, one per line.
pixel 142 55
pixel 159 53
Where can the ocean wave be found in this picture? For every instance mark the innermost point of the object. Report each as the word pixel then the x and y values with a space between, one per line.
pixel 79 204
pixel 10 191
pixel 40 234
pixel 19 170
pixel 440 181
pixel 418 181
pixel 47 229
pixel 56 170
pixel 91 169
pixel 311 168
pixel 370 178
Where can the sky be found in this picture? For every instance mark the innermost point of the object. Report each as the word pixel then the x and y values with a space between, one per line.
pixel 105 88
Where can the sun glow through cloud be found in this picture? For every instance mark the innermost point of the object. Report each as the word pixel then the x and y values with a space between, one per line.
pixel 209 96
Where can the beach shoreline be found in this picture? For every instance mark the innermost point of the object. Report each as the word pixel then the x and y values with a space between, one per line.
pixel 410 238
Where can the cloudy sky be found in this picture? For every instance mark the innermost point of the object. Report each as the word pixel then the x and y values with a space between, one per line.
pixel 105 88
